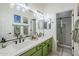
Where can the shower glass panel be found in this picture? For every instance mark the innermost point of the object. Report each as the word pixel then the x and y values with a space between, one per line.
pixel 64 28
pixel 59 31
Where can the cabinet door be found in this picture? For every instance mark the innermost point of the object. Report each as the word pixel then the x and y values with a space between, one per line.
pixel 38 53
pixel 50 45
pixel 49 42
pixel 45 50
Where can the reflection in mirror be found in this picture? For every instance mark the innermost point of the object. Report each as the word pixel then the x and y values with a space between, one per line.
pixel 25 20
pixel 49 25
pixel 17 19
pixel 40 24
pixel 25 30
pixel 16 30
pixel 45 25
pixel 33 26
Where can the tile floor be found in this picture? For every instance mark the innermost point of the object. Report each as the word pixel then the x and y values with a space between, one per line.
pixel 62 52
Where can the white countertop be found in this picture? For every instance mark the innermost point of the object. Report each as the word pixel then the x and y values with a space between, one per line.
pixel 17 49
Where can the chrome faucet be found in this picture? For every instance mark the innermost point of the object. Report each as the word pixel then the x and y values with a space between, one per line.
pixel 20 37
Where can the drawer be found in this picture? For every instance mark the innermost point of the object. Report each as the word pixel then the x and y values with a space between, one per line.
pixel 30 52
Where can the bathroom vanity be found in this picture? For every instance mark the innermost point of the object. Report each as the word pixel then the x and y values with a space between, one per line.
pixel 38 47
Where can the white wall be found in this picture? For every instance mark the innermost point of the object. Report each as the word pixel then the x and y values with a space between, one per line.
pixel 4 13
pixel 0 26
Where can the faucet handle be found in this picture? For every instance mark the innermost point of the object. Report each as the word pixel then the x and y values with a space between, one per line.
pixel 21 35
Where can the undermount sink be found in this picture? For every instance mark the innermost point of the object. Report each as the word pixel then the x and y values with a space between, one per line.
pixel 22 45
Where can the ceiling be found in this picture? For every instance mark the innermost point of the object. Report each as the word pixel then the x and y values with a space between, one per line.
pixel 38 6
pixel 44 7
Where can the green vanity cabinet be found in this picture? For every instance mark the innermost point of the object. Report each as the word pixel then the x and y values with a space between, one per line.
pixel 42 49
pixel 50 44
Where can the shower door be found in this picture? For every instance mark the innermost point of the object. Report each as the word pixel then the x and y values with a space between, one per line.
pixel 64 28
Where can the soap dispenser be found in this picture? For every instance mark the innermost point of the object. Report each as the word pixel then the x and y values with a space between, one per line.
pixel 3 41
